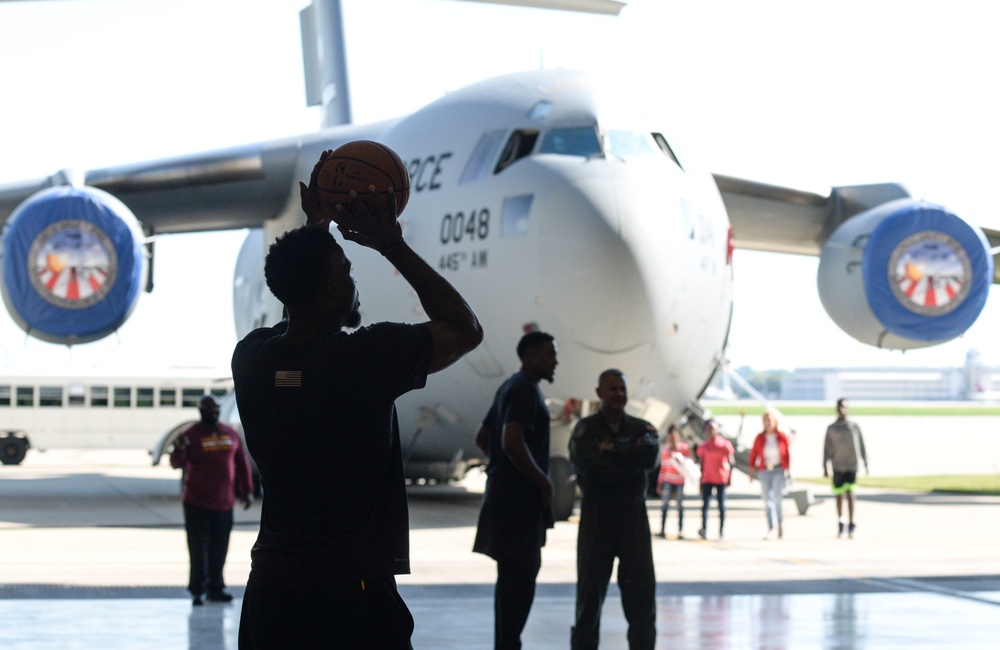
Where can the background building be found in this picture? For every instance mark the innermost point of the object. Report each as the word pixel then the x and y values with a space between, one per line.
pixel 973 381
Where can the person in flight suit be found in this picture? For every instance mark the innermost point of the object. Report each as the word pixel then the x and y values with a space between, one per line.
pixel 612 452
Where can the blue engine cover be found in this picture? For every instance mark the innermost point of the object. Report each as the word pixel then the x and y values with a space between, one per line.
pixel 73 265
pixel 927 272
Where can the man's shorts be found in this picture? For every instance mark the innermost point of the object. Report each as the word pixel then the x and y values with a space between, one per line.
pixel 844 482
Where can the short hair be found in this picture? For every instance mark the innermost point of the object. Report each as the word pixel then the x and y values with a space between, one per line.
pixel 532 340
pixel 298 263
pixel 673 428
pixel 841 401
pixel 608 373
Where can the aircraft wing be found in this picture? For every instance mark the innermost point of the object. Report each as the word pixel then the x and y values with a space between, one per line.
pixel 787 220
pixel 232 188
pixel 779 219
pixel 77 253
pixel 993 236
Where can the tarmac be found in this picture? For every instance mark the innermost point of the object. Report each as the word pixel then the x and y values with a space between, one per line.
pixel 92 555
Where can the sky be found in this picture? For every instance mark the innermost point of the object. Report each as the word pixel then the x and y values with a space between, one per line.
pixel 804 94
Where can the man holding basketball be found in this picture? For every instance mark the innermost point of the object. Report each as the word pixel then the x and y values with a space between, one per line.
pixel 316 404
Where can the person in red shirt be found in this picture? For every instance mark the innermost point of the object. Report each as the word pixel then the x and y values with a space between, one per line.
pixel 216 470
pixel 770 462
pixel 716 457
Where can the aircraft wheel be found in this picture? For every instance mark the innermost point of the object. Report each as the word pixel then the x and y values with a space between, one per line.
pixel 13 449
pixel 564 484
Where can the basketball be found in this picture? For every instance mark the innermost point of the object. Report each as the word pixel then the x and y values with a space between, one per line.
pixel 359 165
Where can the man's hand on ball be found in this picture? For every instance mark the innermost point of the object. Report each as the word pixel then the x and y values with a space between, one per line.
pixel 318 212
pixel 369 219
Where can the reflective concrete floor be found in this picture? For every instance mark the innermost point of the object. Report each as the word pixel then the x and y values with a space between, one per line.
pixel 92 555
pixel 931 616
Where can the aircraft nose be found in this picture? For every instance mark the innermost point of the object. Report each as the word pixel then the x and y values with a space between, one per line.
pixel 632 264
pixel 591 288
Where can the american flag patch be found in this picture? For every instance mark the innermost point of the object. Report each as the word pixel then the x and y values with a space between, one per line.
pixel 288 378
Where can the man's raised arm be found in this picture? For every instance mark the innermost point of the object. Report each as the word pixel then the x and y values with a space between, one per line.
pixel 453 324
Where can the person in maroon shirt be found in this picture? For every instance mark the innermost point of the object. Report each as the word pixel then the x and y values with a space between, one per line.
pixel 216 470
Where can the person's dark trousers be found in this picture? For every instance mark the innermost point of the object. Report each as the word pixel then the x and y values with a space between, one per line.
pixel 706 497
pixel 515 591
pixel 675 492
pixel 358 615
pixel 208 543
pixel 607 530
pixel 680 506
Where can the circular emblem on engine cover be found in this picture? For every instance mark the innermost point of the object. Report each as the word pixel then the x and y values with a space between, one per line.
pixel 72 264
pixel 930 273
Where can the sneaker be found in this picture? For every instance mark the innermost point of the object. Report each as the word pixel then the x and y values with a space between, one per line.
pixel 781 531
pixel 661 535
pixel 769 535
pixel 197 601
pixel 850 531
pixel 680 535
pixel 840 529
pixel 221 597
pixel 701 534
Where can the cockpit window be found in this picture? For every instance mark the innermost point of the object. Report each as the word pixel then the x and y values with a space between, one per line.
pixel 519 145
pixel 628 144
pixel 664 146
pixel 483 155
pixel 571 142
pixel 586 142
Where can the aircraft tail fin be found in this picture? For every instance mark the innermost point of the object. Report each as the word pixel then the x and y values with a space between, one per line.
pixel 324 61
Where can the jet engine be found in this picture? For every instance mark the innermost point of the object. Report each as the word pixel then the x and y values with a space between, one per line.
pixel 73 264
pixel 905 274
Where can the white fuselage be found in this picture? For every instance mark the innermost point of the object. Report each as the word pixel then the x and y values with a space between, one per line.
pixel 624 259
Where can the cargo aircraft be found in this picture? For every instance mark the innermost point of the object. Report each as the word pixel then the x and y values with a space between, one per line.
pixel 545 207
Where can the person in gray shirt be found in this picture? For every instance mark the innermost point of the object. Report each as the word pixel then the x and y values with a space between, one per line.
pixel 843 446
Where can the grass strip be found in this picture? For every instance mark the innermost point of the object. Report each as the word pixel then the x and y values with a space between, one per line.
pixel 983 484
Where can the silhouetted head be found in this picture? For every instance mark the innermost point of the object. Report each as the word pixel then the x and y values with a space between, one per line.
pixel 208 406
pixel 306 270
pixel 537 352
pixel 612 390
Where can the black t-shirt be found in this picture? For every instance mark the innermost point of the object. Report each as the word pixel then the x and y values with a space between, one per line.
pixel 513 517
pixel 319 421
pixel 518 400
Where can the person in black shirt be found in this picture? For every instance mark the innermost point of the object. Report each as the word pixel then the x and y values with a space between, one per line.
pixel 316 404
pixel 516 512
